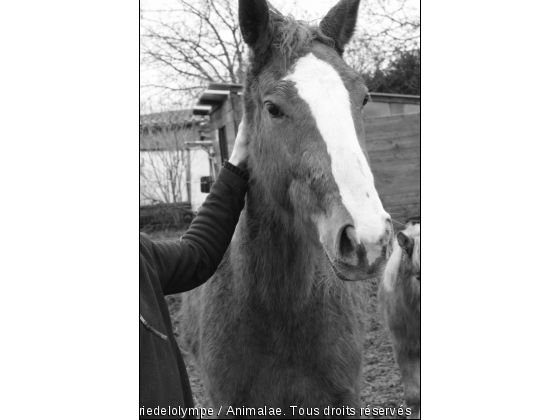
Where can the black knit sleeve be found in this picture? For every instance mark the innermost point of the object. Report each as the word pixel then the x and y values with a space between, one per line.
pixel 186 264
pixel 237 170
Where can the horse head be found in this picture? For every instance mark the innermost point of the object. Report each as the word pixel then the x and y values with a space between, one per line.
pixel 304 112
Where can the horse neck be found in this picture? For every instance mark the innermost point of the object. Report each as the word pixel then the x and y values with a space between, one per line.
pixel 275 259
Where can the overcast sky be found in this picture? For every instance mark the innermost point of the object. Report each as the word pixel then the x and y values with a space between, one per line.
pixel 316 7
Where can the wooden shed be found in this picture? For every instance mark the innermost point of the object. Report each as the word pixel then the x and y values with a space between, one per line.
pixel 223 103
pixel 392 126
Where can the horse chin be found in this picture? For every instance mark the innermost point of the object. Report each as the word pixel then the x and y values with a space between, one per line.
pixel 347 272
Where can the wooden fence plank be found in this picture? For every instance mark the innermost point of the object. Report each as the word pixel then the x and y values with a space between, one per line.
pixel 388 182
pixel 390 127
pixel 401 198
pixel 400 140
pixel 394 155
pixel 385 189
pixel 393 148
pixel 396 167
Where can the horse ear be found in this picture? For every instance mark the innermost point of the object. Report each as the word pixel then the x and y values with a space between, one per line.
pixel 253 22
pixel 340 22
pixel 406 243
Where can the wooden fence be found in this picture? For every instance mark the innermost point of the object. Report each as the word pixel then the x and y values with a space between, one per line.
pixel 393 146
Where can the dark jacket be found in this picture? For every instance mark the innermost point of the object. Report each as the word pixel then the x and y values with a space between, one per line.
pixel 169 267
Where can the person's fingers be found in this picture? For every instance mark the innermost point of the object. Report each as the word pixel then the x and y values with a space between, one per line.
pixel 241 130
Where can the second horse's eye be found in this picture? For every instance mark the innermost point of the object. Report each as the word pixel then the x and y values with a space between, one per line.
pixel 366 100
pixel 273 110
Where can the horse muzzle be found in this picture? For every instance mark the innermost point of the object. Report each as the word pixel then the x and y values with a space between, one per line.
pixel 357 259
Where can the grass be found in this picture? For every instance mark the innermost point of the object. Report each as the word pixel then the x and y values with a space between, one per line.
pixel 382 386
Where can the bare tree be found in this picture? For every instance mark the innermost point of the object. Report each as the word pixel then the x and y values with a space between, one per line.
pixel 190 45
pixel 198 41
pixel 164 168
pixel 386 29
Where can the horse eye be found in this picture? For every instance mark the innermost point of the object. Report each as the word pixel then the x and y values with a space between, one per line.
pixel 366 100
pixel 272 109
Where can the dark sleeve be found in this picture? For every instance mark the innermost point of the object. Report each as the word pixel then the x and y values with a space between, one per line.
pixel 185 264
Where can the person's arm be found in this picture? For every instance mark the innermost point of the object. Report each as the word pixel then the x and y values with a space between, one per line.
pixel 188 263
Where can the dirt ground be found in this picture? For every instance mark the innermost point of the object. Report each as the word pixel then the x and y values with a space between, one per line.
pixel 382 387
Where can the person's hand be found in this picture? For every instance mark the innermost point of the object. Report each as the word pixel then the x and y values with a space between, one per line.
pixel 239 154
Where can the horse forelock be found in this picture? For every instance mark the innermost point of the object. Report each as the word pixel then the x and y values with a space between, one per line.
pixel 290 38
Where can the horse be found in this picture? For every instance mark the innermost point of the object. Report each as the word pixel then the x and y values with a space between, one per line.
pixel 399 306
pixel 281 324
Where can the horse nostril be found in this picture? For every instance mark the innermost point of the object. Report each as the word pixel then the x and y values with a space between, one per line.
pixel 348 242
pixel 390 226
pixel 388 235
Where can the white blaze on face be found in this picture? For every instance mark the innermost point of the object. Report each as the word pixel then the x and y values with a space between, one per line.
pixel 322 88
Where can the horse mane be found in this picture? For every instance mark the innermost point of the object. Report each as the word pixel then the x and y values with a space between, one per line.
pixel 400 259
pixel 289 36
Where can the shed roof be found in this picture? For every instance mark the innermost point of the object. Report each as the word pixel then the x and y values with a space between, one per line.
pixel 214 95
pixel 171 129
pixel 180 117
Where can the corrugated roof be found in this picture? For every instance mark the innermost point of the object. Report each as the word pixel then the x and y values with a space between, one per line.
pixel 184 116
pixel 170 130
